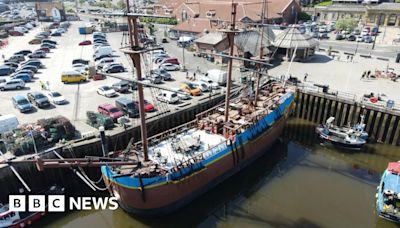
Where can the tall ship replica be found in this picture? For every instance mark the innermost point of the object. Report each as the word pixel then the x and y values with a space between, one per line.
pixel 164 172
pixel 176 166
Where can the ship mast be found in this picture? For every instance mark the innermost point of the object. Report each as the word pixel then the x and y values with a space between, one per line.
pixel 263 13
pixel 231 37
pixel 135 53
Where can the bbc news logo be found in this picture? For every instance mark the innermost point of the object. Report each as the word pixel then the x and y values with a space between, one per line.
pixel 57 203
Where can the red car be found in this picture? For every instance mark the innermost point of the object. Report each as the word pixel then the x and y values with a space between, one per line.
pixel 45 49
pixel 148 107
pixel 110 110
pixel 15 33
pixel 84 43
pixel 98 76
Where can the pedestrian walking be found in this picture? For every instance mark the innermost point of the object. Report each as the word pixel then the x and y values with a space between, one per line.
pixel 194 76
pixel 368 73
pixel 348 58
pixel 187 74
pixel 2 56
pixel 305 77
pixel 47 85
pixel 363 75
pixel 351 58
pixel 198 69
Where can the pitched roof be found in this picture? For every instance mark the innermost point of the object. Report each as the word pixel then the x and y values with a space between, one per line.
pixel 195 25
pixel 245 8
pixel 292 37
pixel 250 41
pixel 212 38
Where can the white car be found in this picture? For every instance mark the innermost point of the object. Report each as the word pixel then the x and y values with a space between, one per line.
pixel 202 86
pixel 104 61
pixel 80 66
pixel 106 91
pixel 359 39
pixel 182 94
pixel 169 66
pixel 210 83
pixel 109 65
pixel 56 98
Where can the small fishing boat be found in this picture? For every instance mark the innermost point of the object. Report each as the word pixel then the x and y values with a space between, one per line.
pixel 15 219
pixel 351 137
pixel 388 193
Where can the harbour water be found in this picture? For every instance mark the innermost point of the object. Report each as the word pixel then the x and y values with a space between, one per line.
pixel 298 183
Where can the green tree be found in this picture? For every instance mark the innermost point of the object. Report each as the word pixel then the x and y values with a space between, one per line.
pixel 81 2
pixel 346 24
pixel 121 4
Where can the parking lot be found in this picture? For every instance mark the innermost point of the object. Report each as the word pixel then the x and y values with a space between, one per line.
pixel 59 60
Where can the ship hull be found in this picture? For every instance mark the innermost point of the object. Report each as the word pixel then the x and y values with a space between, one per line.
pixel 161 199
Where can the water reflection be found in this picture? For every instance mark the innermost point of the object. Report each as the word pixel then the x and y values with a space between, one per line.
pixel 299 183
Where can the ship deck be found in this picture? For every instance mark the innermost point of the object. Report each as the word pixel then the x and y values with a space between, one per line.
pixel 183 146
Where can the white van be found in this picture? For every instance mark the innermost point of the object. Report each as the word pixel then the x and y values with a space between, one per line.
pixel 103 50
pixel 218 76
pixel 8 123
pixel 168 97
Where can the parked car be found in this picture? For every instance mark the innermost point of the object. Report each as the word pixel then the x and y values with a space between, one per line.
pixel 351 38
pixel 102 57
pixel 164 40
pixel 32 68
pixel 72 77
pixel 48 45
pixel 121 86
pixel 148 107
pixel 368 39
pixel 37 54
pixel 162 73
pixel 106 91
pixel 169 66
pixel 182 95
pixel 84 43
pixel 15 33
pixel 359 39
pixel 28 72
pixel 21 103
pixel 210 83
pixel 83 61
pixel 114 68
pixel 110 110
pixel 23 77
pixel 11 64
pixel 201 85
pixel 45 49
pixel 6 70
pixel 56 33
pixel 33 62
pixel 49 41
pixel 127 106
pixel 38 99
pixel 190 88
pixel 170 60
pixel 167 97
pixel 155 79
pixel 339 37
pixel 23 52
pixel 12 84
pixel 35 41
pixel 16 58
pixel 56 97
pixel 98 76
pixel 80 67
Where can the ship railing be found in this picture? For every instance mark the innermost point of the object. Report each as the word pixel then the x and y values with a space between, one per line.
pixel 214 150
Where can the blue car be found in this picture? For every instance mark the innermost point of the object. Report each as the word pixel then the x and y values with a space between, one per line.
pixel 21 103
pixel 22 76
pixel 6 70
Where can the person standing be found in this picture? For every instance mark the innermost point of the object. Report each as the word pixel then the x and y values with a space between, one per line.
pixel 305 77
pixel 351 58
pixel 348 58
pixel 368 73
pixel 363 75
pixel 194 76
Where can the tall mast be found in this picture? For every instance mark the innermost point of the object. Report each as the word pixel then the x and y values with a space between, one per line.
pixel 263 13
pixel 135 52
pixel 231 38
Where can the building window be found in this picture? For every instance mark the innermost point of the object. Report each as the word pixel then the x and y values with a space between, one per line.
pixel 392 20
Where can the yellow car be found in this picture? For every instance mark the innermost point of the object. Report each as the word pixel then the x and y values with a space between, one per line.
pixel 190 88
pixel 72 76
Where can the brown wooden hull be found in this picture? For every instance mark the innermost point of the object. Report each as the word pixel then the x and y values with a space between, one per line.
pixel 168 197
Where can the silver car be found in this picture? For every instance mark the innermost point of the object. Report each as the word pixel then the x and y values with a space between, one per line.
pixel 12 84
